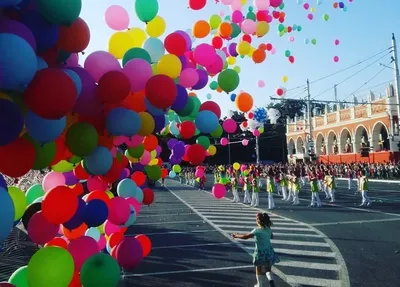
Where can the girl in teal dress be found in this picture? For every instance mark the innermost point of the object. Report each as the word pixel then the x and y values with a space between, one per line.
pixel 264 255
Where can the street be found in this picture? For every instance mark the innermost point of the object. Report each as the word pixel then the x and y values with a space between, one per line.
pixel 339 244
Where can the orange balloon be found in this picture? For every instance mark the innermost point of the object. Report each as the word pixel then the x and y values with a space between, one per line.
pixel 201 29
pixel 225 29
pixel 192 94
pixel 282 14
pixel 135 102
pixel 219 90
pixel 244 102
pixel 75 233
pixel 259 56
pixel 150 142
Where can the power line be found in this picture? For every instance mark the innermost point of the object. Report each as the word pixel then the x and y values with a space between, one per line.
pixel 374 86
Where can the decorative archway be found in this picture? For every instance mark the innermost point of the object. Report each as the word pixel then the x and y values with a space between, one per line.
pixel 291 147
pixel 332 143
pixel 300 147
pixel 320 145
pixel 361 137
pixel 380 137
pixel 346 142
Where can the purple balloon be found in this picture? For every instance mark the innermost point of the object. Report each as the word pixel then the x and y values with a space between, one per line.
pixel 181 98
pixel 187 39
pixel 18 29
pixel 232 50
pixel 70 178
pixel 172 142
pixel 184 61
pixel 137 167
pixel 203 80
pixel 158 150
pixel 73 60
pixel 174 160
pixel 159 121
pixel 124 173
pixel 179 150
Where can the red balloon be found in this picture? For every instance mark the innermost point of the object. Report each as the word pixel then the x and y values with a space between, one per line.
pixel 51 94
pixel 212 107
pixel 281 19
pixel 17 158
pixel 246 38
pixel 150 142
pixel 139 178
pixel 217 42
pixel 114 87
pixel 196 154
pixel 61 150
pixel 80 173
pixel 164 173
pixel 76 280
pixel 161 91
pixel 59 205
pixel 115 171
pixel 197 4
pixel 175 44
pixel 74 38
pixel 261 15
pixel 276 14
pixel 289 29
pixel 115 238
pixel 50 56
pixel 77 189
pixel 145 242
pixel 187 129
pixel 148 196
pixel 57 241
pixel 269 47
pixel 291 59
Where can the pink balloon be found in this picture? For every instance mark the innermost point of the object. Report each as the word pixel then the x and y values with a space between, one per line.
pixel 217 66
pixel 221 13
pixel 134 141
pixel 120 140
pixel 306 6
pixel 310 16
pixel 337 42
pixel 72 61
pixel 81 249
pixel 226 2
pixel 273 51
pixel 275 3
pixel 224 141
pixel 245 142
pixel 40 231
pixel 135 203
pixel 236 5
pixel 129 253
pixel 237 16
pixel 146 158
pixel 291 39
pixel 199 173
pixel 110 228
pixel 102 242
pixel 243 167
pixel 139 72
pixel 229 126
pixel 118 211
pixel 117 18
pixel 219 190
pixel 256 133
pixel 204 54
pixel 99 63
pixel 52 180
pixel 262 4
pixel 249 26
pixel 96 183
pixel 336 59
pixel 261 84
pixel 188 78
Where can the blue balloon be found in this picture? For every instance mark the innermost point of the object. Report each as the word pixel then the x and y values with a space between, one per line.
pixel 46 33
pixel 18 62
pixel 159 123
pixel 233 97
pixel 94 233
pixel 126 188
pixel 138 194
pixel 123 122
pixel 77 219
pixel 77 80
pixel 11 122
pixel 95 213
pixel 3 183
pixel 206 122
pixel 155 47
pixel 99 161
pixel 181 98
pixel 9 3
pixel 153 110
pixel 43 130
pixel 6 214
pixel 41 64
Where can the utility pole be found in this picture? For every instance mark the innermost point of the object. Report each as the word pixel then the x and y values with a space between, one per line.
pixel 335 92
pixel 229 149
pixel 396 76
pixel 310 143
pixel 257 151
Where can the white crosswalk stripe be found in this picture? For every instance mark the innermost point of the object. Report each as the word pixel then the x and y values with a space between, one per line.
pixel 307 258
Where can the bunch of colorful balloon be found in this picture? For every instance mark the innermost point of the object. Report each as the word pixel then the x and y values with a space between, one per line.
pixel 273 115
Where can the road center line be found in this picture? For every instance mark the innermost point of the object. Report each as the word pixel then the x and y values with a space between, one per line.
pixel 193 245
pixel 170 222
pixel 176 232
pixel 355 222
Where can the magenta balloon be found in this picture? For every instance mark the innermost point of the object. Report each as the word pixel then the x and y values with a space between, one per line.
pixel 102 242
pixel 99 63
pixel 95 183
pixel 237 16
pixel 81 249
pixel 117 18
pixel 275 3
pixel 138 71
pixel 216 66
pixel 18 29
pixel 129 253
pixel 204 54
pixel 219 190
pixel 229 126
pixel 40 231
pixel 73 60
pixel 135 203
pixel 119 210
pixel 188 78
pixel 134 141
pixel 110 228
pixel 187 39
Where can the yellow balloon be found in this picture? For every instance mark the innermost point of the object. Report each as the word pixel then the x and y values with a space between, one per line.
pixel 63 166
pixel 110 194
pixel 312 10
pixel 214 21
pixel 154 68
pixel 236 166
pixel 243 2
pixel 148 124
pixel 243 48
pixel 212 150
pixel 262 28
pixel 231 60
pixel 5 97
pixel 285 79
pixel 169 65
pixel 156 27
pixel 120 43
pixel 237 69
pixel 153 162
pixel 138 35
pixel 153 154
pixel 250 53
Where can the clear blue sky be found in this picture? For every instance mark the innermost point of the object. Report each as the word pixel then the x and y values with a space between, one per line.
pixel 363 30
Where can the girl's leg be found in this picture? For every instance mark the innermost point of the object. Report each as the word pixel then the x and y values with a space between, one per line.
pixel 296 200
pixel 269 275
pixel 260 277
pixel 349 183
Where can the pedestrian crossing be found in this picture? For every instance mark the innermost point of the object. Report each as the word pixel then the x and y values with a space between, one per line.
pixel 307 257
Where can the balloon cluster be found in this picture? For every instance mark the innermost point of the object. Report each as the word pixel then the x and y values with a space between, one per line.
pixel 273 115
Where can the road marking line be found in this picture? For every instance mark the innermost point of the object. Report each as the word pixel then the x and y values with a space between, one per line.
pixel 166 214
pixel 175 232
pixel 169 222
pixel 309 265
pixel 305 253
pixel 273 228
pixel 189 271
pixel 355 222
pixel 300 243
pixel 311 281
pixel 276 234
pixel 192 245
pixel 275 222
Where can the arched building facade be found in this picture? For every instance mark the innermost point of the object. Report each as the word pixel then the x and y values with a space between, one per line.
pixel 339 135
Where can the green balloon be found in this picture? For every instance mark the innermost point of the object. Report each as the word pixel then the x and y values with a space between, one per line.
pixel 136 53
pixel 33 193
pixel 203 141
pixel 227 18
pixel 281 27
pixel 20 277
pixel 235 30
pixel 146 10
pixel 62 56
pixel 282 6
pixel 251 15
pixel 314 41
pixel 75 159
pixel 228 80
pixel 287 53
pixel 197 132
pixel 187 110
pixel 326 17
pixel 44 153
pixel 19 200
pixel 100 270
pixel 63 166
pixel 81 139
pixel 137 151
pixel 61 12
pixel 153 172
pixel 196 108
pixel 213 85
pixel 176 168
pixel 299 28
pixel 50 266
pixel 218 132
